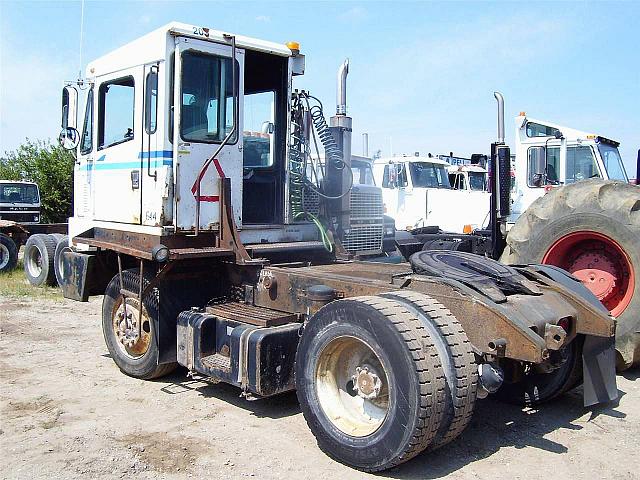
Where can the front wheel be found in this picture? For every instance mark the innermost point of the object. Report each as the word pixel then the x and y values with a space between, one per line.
pixel 369 382
pixel 130 331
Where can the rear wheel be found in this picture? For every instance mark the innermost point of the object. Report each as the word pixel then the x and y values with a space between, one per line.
pixel 8 253
pixel 136 354
pixel 61 248
pixel 369 382
pixel 39 253
pixel 457 357
pixel 592 230
pixel 536 386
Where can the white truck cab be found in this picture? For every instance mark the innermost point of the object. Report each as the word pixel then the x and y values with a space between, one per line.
pixel 417 193
pixel 549 155
pixel 19 201
pixel 468 178
pixel 148 173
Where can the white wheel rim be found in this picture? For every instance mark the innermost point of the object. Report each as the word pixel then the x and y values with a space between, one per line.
pixel 33 260
pixel 4 256
pixel 352 386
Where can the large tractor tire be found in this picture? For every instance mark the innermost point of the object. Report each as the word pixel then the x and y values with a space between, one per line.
pixel 370 383
pixel 136 356
pixel 457 357
pixel 39 254
pixel 592 230
pixel 8 253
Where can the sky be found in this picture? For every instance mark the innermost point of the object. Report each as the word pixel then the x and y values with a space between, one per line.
pixel 422 74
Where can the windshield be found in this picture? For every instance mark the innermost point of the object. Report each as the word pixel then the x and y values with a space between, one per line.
pixel 362 173
pixel 429 175
pixel 612 162
pixel 18 193
pixel 477 181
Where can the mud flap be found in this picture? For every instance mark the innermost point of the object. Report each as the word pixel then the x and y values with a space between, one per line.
pixel 599 370
pixel 83 276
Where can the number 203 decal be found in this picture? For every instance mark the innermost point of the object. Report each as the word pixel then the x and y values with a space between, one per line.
pixel 204 32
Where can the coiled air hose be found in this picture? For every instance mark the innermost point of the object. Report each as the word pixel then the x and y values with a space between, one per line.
pixel 301 164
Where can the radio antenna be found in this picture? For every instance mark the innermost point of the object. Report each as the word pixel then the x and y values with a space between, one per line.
pixel 81 34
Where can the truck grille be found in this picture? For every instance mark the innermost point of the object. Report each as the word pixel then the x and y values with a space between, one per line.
pixel 364 239
pixel 366 204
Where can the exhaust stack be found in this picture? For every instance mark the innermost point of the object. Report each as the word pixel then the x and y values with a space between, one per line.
pixel 500 100
pixel 339 178
pixel 341 92
pixel 365 145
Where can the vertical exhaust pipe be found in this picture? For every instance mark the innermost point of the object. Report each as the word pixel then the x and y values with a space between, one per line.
pixel 339 176
pixel 500 100
pixel 365 144
pixel 341 92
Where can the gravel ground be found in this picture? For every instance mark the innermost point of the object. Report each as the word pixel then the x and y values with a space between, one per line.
pixel 67 412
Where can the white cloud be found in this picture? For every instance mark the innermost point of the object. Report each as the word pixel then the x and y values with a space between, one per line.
pixel 263 18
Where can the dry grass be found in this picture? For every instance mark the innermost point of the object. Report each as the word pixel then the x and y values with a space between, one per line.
pixel 15 284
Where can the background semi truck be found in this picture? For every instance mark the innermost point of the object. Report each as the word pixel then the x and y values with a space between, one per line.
pixel 225 268
pixel 20 225
pixel 417 193
pixel 573 208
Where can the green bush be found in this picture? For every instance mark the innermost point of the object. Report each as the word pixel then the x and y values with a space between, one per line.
pixel 51 167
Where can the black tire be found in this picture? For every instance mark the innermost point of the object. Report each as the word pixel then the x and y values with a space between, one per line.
pixel 609 208
pixel 58 237
pixel 410 363
pixel 39 254
pixel 61 247
pixel 457 358
pixel 8 253
pixel 537 388
pixel 144 366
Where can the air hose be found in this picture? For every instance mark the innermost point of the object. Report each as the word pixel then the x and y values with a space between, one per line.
pixel 301 166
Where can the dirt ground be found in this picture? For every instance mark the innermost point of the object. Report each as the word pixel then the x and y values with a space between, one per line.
pixel 67 412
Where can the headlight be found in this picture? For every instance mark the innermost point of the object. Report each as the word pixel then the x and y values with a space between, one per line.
pixel 160 253
pixel 36 218
pixel 388 231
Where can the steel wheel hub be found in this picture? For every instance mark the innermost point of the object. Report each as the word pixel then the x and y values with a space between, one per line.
pixel 352 386
pixel 600 263
pixel 126 323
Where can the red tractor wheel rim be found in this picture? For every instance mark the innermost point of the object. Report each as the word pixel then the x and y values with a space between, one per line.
pixel 599 263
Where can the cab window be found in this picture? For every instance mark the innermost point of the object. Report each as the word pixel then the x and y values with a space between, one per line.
pixel 116 107
pixel 538 130
pixel 581 164
pixel 206 114
pixel 259 129
pixel 543 169
pixel 86 142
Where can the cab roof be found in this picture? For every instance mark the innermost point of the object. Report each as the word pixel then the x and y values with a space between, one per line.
pixel 153 47
pixel 410 159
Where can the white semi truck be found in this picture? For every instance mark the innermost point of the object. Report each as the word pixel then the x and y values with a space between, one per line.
pixel 231 264
pixel 417 193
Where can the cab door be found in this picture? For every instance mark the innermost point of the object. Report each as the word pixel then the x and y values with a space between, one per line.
pixel 117 163
pixel 83 169
pixel 204 119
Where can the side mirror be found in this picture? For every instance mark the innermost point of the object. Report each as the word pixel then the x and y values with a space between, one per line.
pixel 268 127
pixel 69 108
pixel 69 138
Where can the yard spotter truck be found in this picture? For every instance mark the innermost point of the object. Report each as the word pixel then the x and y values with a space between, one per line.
pixel 217 263
pixel 573 208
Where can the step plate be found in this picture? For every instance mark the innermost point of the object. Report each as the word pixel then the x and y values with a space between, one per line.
pixel 241 312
